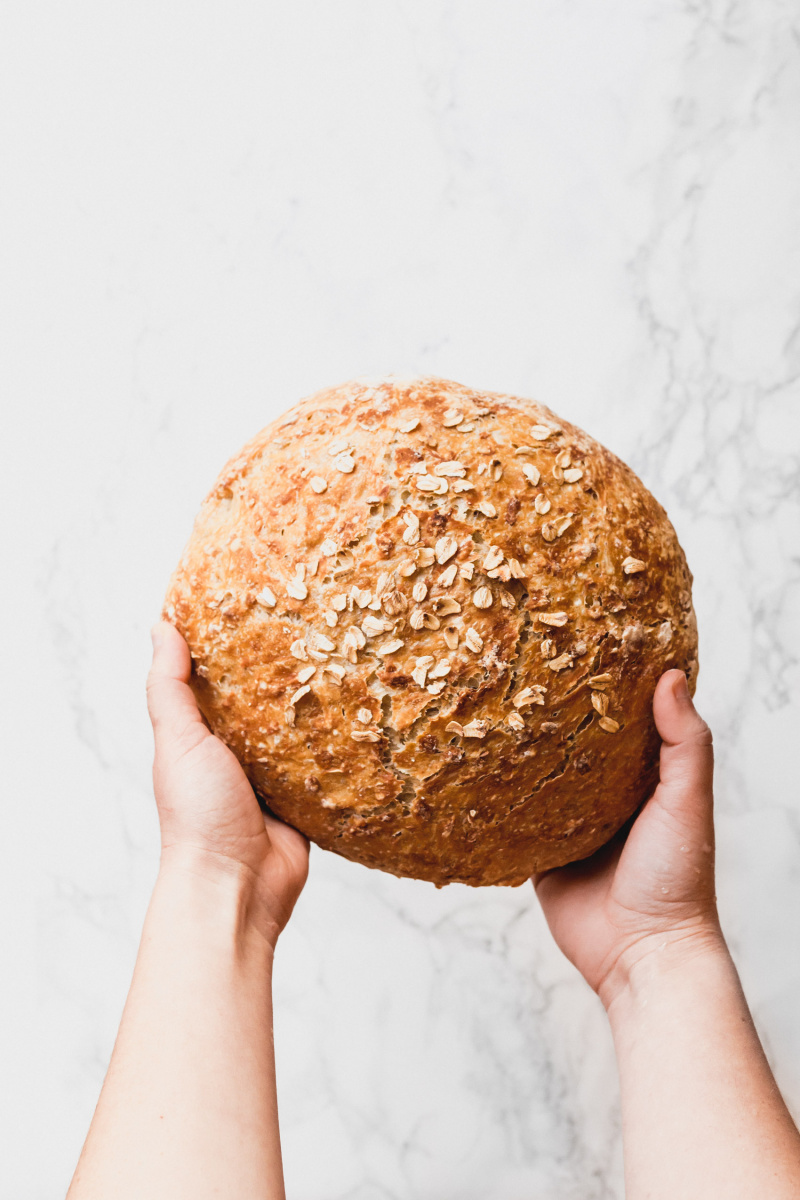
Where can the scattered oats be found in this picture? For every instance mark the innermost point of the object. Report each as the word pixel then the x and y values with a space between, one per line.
pixel 318 641
pixel 448 575
pixel 345 464
pixel 358 636
pixel 561 663
pixel 465 427
pixel 298 650
pixel 452 417
pixel 362 596
pixel 408 426
pixel 493 558
pixel 301 691
pixel 526 450
pixel 300 571
pixel 599 681
pixel 318 484
pixel 483 467
pixel 553 529
pixel 499 437
pixel 266 597
pixel 556 619
pixel 445 606
pixel 391 646
pixel 516 568
pixel 446 547
pixel 430 483
pixel 331 617
pixel 364 716
pixel 515 721
pixel 419 591
pixel 426 660
pixel 507 600
pixel 497 472
pixel 547 648
pixel 411 534
pixel 313 567
pixel 335 670
pixel 564 459
pixel 531 473
pixel 632 566
pixel 579 649
pixel 482 598
pixel 339 447
pixel 430 621
pixel 339 602
pixel 609 724
pixel 417 619
pixel 540 432
pixel 395 603
pixel 436 688
pixel 328 547
pixel 418 468
pixel 474 640
pixel 290 716
pixel 573 475
pixel 452 469
pixel 600 703
pixel 487 508
pixel 419 675
pixel 451 637
pixel 407 569
pixel 441 669
pixel 425 556
pixel 461 485
pixel 476 729
pixel 454 727
pixel 364 735
pixel 466 570
pixel 297 589
pixel 304 675
pixel 541 504
pixel 374 625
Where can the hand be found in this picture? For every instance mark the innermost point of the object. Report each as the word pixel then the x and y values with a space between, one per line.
pixel 210 819
pixel 655 883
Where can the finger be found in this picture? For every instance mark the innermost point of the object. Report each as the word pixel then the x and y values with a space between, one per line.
pixel 170 701
pixel 686 764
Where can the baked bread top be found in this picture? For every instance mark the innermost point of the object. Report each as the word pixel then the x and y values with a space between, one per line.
pixel 429 622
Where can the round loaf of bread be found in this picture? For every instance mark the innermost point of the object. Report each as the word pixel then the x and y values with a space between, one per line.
pixel 429 622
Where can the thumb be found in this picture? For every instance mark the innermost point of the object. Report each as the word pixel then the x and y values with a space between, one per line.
pixel 686 765
pixel 170 701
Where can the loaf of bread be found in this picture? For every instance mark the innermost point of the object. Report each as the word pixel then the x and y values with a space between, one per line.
pixel 429 622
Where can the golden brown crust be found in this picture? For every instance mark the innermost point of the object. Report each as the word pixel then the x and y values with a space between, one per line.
pixel 373 703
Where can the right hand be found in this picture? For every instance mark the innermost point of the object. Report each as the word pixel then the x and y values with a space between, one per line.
pixel 654 885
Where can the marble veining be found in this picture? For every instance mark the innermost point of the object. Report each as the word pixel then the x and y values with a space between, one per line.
pixel 208 214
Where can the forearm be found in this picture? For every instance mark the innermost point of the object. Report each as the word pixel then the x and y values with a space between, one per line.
pixel 188 1108
pixel 702 1115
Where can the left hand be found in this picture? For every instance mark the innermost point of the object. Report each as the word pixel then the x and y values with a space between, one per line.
pixel 209 816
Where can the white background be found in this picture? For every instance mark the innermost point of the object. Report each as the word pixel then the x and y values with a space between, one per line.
pixel 209 211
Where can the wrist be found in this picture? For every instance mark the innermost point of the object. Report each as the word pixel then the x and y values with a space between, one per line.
pixel 658 960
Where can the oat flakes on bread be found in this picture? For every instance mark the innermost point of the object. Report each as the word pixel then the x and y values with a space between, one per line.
pixel 429 622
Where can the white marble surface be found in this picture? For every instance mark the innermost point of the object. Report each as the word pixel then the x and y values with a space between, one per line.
pixel 208 211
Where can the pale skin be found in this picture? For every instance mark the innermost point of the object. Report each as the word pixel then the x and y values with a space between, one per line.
pixel 188 1107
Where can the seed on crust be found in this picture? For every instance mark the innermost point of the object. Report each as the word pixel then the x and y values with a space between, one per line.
pixel 297 589
pixel 451 637
pixel 553 529
pixel 436 688
pixel 339 447
pixel 407 569
pixel 482 598
pixel 599 681
pixel 445 606
pixel 609 724
pixel 473 640
pixel 515 721
pixel 547 648
pixel 298 650
pixel 345 464
pixel 425 556
pixel 452 469
pixel 556 619
pixel 560 663
pixel 418 468
pixel 409 425
pixel 411 535
pixel 465 427
pixel 362 596
pixel 419 674
pixel 486 508
pixel 339 602
pixel 266 597
pixel 529 695
pixel 357 636
pixel 331 617
pixel 502 572
pixel 531 473
pixel 335 670
pixel 301 691
pixel 391 647
pixel 476 729
pixel 431 483
pixel 506 599
pixel 318 641
pixel 395 603
pixel 516 568
pixel 306 673
pixel 372 626
pixel 493 558
pixel 563 459
pixel 419 591
pixel 466 570
pixel 318 484
pixel 632 566
pixel 328 547
pixel 430 621
pixel 364 716
pixel 573 475
pixel 541 504
pixel 447 577
pixel 540 433
pixel 417 619
pixel 454 727
pixel 453 416
pixel 441 669
pixel 460 485
pixel 290 715
pixel 364 735
pixel 600 703
pixel 445 548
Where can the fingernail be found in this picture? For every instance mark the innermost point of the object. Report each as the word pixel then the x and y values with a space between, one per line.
pixel 681 689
